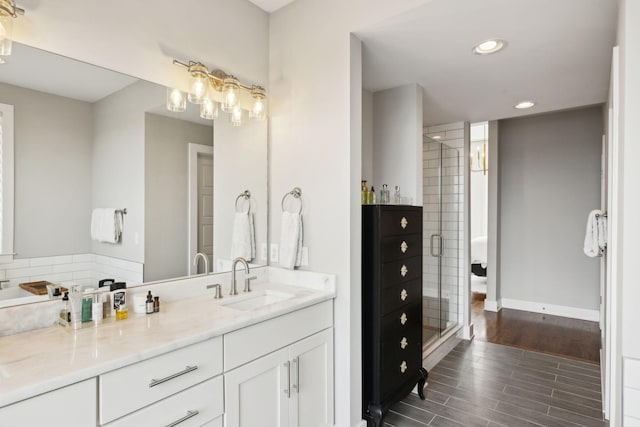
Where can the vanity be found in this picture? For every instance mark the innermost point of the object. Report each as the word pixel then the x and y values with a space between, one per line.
pixel 259 358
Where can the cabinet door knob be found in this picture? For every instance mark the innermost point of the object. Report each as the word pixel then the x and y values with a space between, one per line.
pixel 403 318
pixel 403 366
pixel 404 343
pixel 403 270
pixel 404 246
pixel 404 295
pixel 404 223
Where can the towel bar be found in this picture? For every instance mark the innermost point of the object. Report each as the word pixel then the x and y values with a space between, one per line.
pixel 296 193
pixel 122 211
pixel 246 195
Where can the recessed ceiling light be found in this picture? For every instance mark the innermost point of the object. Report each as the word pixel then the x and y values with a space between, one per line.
pixel 490 46
pixel 524 104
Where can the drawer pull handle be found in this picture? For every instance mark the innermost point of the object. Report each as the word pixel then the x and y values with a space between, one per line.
pixel 403 366
pixel 404 295
pixel 404 343
pixel 287 366
pixel 403 318
pixel 190 414
pixel 186 370
pixel 404 270
pixel 404 246
pixel 404 223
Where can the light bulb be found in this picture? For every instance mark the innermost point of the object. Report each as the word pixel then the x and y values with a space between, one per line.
pixel 6 30
pixel 199 84
pixel 236 116
pixel 259 109
pixel 231 86
pixel 176 100
pixel 209 109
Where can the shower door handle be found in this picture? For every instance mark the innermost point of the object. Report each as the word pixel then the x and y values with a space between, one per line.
pixel 431 246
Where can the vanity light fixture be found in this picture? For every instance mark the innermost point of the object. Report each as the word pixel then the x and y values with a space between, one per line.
pixel 210 88
pixel 8 11
pixel 524 104
pixel 489 46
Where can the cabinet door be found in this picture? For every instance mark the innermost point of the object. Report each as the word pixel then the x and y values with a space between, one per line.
pixel 312 381
pixel 257 394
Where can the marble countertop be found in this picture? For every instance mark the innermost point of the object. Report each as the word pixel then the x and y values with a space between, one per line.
pixel 46 359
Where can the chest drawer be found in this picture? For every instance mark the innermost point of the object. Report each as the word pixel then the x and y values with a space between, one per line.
pixel 398 368
pixel 401 247
pixel 395 222
pixel 127 389
pixel 401 295
pixel 400 321
pixel 192 407
pixel 401 271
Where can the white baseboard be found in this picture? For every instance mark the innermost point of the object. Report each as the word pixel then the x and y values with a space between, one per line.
pixel 554 310
pixel 492 305
pixel 466 333
pixel 362 423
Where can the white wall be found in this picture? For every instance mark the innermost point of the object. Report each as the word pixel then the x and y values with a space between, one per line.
pixel 397 141
pixel 367 136
pixel 52 147
pixel 312 146
pixel 550 181
pixel 166 195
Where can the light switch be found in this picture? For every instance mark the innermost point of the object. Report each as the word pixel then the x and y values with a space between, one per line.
pixel 263 252
pixel 273 256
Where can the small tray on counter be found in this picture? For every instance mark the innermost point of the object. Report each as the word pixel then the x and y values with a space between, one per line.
pixel 39 288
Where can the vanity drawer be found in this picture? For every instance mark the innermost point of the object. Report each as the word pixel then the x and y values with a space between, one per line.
pixel 127 389
pixel 401 247
pixel 401 271
pixel 395 222
pixel 401 295
pixel 195 406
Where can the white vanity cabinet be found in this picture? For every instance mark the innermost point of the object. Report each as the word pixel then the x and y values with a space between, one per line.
pixel 74 405
pixel 290 386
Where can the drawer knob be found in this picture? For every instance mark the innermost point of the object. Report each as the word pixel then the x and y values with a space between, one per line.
pixel 403 318
pixel 404 223
pixel 404 246
pixel 404 295
pixel 403 270
pixel 403 366
pixel 404 343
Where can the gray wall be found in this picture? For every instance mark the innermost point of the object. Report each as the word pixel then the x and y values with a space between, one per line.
pixel 166 194
pixel 549 182
pixel 52 172
pixel 367 136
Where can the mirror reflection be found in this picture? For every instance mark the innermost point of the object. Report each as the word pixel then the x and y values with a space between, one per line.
pixel 88 139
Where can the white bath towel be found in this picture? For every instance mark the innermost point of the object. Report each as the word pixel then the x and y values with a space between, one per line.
pixel 290 240
pixel 243 241
pixel 595 239
pixel 106 225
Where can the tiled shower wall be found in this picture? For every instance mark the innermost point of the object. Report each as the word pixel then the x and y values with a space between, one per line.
pixel 452 193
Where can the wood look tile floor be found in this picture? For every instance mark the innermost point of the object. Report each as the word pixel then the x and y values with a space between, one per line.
pixel 489 385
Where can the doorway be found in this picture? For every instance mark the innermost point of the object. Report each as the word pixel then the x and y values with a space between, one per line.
pixel 200 205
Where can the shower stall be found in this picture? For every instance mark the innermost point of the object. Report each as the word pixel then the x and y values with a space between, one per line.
pixel 443 237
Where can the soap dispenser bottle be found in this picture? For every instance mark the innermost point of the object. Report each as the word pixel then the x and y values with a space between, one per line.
pixel 149 306
pixel 65 313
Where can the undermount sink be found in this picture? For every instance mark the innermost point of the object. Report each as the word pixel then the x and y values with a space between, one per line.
pixel 255 299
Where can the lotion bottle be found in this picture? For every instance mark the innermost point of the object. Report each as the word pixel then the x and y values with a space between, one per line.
pixel 149 304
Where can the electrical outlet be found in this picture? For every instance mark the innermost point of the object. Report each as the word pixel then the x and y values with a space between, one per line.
pixel 273 256
pixel 263 252
pixel 305 257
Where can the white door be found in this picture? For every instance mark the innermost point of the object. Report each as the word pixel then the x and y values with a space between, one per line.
pixel 257 394
pixel 312 381
pixel 205 208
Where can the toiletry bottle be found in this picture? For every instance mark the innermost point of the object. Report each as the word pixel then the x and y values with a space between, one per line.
pixel 97 307
pixel 396 197
pixel 122 313
pixel 106 297
pixel 364 193
pixel 118 295
pixel 156 304
pixel 87 303
pixel 65 313
pixel 373 195
pixel 149 303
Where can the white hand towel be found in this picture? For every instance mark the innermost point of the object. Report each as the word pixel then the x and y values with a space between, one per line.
pixel 602 232
pixel 290 240
pixel 591 246
pixel 243 236
pixel 106 225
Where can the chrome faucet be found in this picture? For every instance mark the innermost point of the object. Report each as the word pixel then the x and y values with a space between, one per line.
pixel 247 286
pixel 204 258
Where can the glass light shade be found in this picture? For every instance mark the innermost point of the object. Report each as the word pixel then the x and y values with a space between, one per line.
pixel 209 109
pixel 236 116
pixel 198 84
pixel 6 33
pixel 230 94
pixel 176 100
pixel 259 109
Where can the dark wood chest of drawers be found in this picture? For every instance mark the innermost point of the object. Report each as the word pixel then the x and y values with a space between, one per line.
pixel 391 307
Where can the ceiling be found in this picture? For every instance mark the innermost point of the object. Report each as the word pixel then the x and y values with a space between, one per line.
pixel 558 55
pixel 271 5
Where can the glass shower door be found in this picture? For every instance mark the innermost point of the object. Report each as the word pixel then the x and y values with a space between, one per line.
pixel 443 196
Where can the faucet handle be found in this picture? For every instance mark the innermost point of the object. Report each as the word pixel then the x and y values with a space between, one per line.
pixel 218 293
pixel 247 283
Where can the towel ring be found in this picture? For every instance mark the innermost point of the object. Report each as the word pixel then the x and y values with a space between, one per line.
pixel 246 195
pixel 296 193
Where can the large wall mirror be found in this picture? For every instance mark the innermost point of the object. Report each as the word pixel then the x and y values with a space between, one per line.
pixel 87 138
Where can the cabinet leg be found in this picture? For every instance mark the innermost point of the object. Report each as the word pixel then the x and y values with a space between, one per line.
pixel 422 381
pixel 376 416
